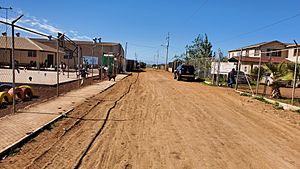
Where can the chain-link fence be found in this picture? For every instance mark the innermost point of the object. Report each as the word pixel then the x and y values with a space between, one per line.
pixel 34 69
pixel 273 74
pixel 202 67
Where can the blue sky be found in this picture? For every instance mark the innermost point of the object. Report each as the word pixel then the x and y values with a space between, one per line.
pixel 144 24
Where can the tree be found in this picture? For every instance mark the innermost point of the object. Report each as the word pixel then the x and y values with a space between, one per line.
pixel 282 76
pixel 201 48
pixel 206 48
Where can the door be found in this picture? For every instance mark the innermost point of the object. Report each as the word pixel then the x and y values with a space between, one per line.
pixel 50 60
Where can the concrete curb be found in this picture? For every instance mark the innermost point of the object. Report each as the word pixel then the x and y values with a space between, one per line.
pixel 6 151
pixel 285 106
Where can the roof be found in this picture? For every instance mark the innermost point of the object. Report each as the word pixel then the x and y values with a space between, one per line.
pixel 263 59
pixel 291 46
pixel 257 45
pixel 22 43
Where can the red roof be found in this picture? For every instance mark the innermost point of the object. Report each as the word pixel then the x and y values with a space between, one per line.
pixel 263 59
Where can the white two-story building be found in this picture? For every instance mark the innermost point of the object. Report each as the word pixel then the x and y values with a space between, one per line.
pixel 269 52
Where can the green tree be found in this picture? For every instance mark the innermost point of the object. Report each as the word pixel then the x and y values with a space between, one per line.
pixel 200 48
pixel 282 76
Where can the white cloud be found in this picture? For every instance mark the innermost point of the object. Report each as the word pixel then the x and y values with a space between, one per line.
pixel 81 38
pixel 45 27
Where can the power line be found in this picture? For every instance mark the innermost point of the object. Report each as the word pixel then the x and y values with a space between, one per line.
pixel 261 28
pixel 144 46
pixel 201 6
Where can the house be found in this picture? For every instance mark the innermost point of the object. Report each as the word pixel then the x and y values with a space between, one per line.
pixel 292 53
pixel 27 52
pixel 269 52
pixel 89 51
pixel 41 53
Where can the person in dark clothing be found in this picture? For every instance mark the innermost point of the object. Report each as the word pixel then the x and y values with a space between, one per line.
pixel 17 66
pixel 83 74
pixel 231 78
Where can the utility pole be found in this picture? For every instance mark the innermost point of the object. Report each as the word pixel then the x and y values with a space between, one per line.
pixel 125 64
pixel 13 60
pixel 295 72
pixel 157 58
pixel 6 18
pixel 168 44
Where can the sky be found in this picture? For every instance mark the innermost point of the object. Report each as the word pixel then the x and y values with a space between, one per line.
pixel 144 24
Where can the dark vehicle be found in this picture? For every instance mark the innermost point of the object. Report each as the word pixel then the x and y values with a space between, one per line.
pixel 184 72
pixel 243 78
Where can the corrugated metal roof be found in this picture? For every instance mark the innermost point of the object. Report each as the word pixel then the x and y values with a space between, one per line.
pixel 22 43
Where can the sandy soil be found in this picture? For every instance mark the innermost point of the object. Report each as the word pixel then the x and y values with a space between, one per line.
pixel 153 121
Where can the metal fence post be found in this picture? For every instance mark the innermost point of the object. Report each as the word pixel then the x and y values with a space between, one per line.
pixel 258 74
pixel 78 65
pixel 13 67
pixel 57 68
pixel 238 71
pixel 295 72
pixel 13 61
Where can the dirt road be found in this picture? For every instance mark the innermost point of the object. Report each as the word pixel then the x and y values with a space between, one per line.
pixel 154 121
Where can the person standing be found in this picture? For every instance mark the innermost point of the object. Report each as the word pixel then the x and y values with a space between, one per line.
pixel 231 78
pixel 17 66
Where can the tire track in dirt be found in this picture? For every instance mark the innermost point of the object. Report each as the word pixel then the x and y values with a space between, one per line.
pixel 103 125
pixel 163 123
pixel 51 144
pixel 188 125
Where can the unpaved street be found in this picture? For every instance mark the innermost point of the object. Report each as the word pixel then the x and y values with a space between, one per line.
pixel 154 121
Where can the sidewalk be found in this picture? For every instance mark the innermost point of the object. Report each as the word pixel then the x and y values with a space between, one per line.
pixel 16 128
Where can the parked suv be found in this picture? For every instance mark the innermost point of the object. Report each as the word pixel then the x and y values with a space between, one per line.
pixel 267 79
pixel 184 72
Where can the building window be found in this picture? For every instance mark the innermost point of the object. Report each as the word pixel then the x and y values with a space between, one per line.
pixel 256 52
pixel 295 52
pixel 274 52
pixel 247 52
pixel 32 53
pixel 268 50
pixel 278 54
